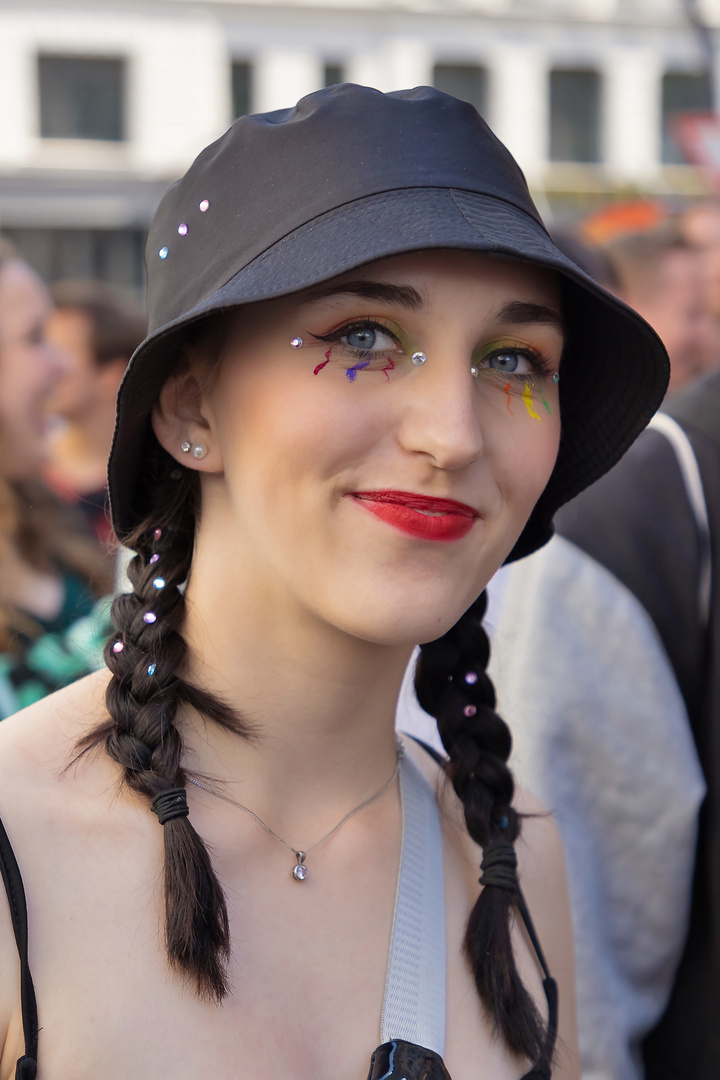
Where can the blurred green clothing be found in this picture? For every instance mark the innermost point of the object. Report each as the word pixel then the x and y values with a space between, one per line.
pixel 70 646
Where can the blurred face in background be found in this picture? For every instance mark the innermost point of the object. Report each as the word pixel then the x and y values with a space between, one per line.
pixel 672 298
pixel 29 369
pixel 85 384
pixel 701 228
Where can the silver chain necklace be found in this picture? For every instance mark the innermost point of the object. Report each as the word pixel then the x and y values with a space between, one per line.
pixel 300 870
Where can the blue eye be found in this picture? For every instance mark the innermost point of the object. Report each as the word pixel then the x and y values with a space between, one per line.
pixel 361 338
pixel 504 362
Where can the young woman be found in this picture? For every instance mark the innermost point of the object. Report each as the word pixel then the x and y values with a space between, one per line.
pixel 347 415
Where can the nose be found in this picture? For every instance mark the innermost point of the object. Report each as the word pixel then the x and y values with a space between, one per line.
pixel 441 417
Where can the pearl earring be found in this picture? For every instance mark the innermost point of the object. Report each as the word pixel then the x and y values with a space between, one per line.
pixel 199 451
pixel 418 358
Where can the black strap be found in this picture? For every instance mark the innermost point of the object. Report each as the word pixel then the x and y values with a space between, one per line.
pixel 27 1065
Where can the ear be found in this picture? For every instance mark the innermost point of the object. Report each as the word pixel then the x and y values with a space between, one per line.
pixel 178 418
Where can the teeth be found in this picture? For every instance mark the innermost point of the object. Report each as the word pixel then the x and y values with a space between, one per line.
pixel 431 513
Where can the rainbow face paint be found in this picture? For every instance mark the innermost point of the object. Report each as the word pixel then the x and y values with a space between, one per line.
pixel 351 372
pixel 390 366
pixel 325 361
pixel 548 410
pixel 527 398
pixel 506 388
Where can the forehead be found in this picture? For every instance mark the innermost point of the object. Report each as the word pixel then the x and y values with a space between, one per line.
pixel 430 272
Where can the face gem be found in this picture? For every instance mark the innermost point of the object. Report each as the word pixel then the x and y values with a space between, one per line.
pixel 296 343
pixel 418 358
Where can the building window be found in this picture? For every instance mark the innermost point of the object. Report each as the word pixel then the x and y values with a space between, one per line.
pixel 333 74
pixel 103 254
pixel 241 88
pixel 681 92
pixel 82 98
pixel 465 81
pixel 574 115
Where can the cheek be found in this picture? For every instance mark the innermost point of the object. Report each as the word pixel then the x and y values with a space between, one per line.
pixel 523 450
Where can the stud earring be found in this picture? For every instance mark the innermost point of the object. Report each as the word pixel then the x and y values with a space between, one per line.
pixel 185 447
pixel 199 451
pixel 418 358
pixel 556 378
pixel 296 343
pixel 474 371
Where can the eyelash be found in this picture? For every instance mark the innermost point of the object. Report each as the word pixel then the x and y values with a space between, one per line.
pixel 335 337
pixel 541 364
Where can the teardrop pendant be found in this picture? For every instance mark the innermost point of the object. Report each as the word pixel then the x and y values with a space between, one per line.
pixel 300 870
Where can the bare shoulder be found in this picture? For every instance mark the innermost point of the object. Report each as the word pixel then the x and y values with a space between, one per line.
pixel 36 746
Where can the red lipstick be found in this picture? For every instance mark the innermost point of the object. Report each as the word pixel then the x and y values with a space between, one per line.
pixel 422 516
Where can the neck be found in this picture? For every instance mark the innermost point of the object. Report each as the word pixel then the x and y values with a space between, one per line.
pixel 322 701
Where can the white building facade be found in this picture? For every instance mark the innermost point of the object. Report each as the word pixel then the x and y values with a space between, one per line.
pixel 104 102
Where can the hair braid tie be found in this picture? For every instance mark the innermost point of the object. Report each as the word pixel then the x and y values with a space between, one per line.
pixel 499 866
pixel 171 804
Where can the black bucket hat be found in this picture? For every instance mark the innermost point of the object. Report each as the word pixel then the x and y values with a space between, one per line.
pixel 286 200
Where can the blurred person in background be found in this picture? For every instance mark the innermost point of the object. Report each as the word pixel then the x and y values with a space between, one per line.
pixel 607 665
pixel 51 572
pixel 661 274
pixel 95 328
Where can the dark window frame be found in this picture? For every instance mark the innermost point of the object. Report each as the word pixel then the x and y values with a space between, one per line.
pixel 80 113
pixel 571 138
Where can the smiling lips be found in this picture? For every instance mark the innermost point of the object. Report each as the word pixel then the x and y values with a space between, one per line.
pixel 419 515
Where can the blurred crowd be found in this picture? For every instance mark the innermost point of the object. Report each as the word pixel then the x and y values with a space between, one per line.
pixel 62 355
pixel 611 687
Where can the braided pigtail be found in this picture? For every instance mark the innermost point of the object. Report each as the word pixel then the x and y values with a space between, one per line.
pixel 452 685
pixel 146 656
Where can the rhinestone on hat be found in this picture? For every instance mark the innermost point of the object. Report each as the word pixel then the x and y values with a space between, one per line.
pixel 204 205
pixel 163 253
pixel 471 678
pixel 469 710
pixel 296 343
pixel 182 229
pixel 418 358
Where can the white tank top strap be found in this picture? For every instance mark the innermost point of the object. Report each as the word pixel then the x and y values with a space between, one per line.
pixel 414 1005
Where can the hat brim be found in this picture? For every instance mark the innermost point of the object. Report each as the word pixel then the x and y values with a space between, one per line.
pixel 615 369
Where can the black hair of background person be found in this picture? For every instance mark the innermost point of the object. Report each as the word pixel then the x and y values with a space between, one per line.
pixel 637 523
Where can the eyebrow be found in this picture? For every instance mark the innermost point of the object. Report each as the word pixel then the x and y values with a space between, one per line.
pixel 522 313
pixel 517 312
pixel 402 295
